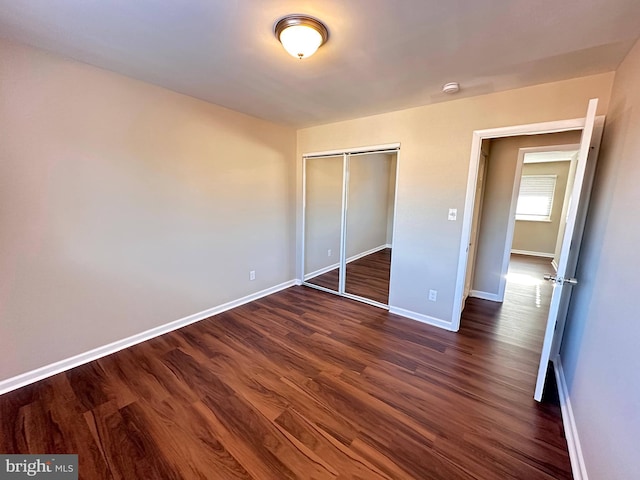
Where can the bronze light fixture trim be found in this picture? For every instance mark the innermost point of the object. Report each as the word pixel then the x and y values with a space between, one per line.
pixel 301 35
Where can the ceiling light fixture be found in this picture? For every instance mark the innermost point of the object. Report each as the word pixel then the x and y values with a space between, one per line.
pixel 301 35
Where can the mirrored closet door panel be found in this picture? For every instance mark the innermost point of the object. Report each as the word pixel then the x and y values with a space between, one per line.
pixel 369 225
pixel 323 219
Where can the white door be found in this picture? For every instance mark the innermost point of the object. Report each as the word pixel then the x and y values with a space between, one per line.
pixel 563 280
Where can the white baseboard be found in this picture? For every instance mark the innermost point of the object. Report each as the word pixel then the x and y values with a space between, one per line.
pixel 532 254
pixel 578 466
pixel 323 270
pixel 485 295
pixel 419 317
pixel 77 360
pixel 320 271
pixel 368 252
pixel 554 264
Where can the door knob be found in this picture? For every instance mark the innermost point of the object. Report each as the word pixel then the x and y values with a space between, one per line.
pixel 560 280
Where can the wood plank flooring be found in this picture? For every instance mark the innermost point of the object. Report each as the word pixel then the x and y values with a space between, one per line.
pixel 304 384
pixel 366 277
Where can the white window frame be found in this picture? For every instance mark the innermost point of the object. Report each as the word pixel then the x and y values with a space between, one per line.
pixel 537 218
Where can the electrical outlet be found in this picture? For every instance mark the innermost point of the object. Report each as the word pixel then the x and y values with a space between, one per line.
pixel 329 253
pixel 433 295
pixel 252 275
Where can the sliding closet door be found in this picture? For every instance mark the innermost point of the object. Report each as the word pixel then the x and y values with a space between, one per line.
pixel 323 219
pixel 369 225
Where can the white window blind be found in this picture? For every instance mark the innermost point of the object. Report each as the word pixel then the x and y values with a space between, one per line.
pixel 535 199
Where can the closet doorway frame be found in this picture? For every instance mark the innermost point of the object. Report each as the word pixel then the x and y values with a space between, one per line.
pixel 346 152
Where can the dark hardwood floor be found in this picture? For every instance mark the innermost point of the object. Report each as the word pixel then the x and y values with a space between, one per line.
pixel 305 384
pixel 366 277
pixel 522 318
pixel 330 280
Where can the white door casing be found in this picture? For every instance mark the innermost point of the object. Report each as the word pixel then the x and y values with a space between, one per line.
pixel 475 225
pixel 470 199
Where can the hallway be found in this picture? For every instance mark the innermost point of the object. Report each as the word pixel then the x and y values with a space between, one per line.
pixel 519 321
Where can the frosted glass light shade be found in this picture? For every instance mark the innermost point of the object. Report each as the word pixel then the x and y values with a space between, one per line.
pixel 300 35
pixel 300 41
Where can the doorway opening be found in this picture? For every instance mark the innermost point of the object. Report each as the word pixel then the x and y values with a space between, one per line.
pixel 523 193
pixel 523 199
pixel 496 240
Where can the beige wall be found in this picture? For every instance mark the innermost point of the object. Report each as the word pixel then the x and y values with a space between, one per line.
pixel 434 163
pixel 600 348
pixel 494 220
pixel 125 206
pixel 540 237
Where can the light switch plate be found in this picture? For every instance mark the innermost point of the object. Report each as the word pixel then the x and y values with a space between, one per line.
pixel 453 214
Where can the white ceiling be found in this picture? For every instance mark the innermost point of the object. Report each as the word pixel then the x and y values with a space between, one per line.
pixel 382 55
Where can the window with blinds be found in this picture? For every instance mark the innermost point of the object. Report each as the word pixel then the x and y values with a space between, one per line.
pixel 535 199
